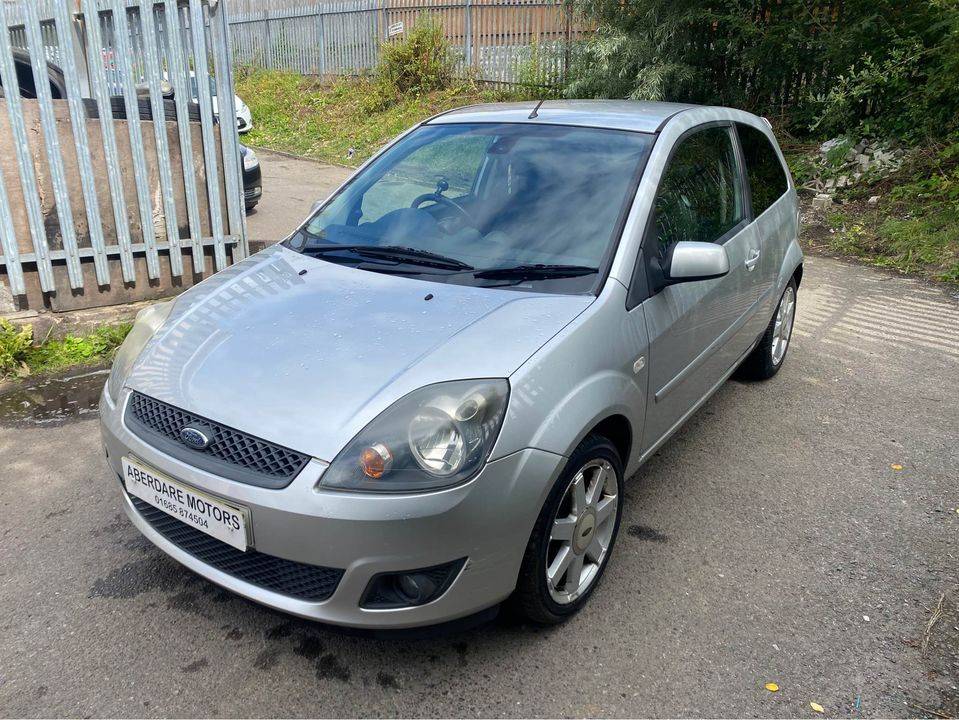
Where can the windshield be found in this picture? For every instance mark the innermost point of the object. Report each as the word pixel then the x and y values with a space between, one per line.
pixel 511 205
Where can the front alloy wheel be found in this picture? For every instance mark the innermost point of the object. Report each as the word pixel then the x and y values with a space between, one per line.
pixel 574 535
pixel 582 531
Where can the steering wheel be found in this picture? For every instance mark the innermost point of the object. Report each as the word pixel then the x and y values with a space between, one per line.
pixel 441 200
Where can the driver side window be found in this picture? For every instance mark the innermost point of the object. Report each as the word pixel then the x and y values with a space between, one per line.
pixel 700 195
pixel 453 161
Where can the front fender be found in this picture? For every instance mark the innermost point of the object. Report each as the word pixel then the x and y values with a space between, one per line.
pixel 579 378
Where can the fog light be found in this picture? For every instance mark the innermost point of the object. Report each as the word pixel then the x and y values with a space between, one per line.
pixel 410 588
pixel 416 587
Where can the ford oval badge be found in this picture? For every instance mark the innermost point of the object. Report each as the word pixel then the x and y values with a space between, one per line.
pixel 196 438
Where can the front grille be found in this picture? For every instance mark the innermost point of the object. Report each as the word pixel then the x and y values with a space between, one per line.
pixel 311 583
pixel 232 454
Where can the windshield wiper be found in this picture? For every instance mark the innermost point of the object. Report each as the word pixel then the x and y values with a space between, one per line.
pixel 412 256
pixel 534 272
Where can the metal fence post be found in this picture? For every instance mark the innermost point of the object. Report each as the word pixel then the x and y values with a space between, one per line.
pixel 178 76
pixel 108 134
pixel 78 43
pixel 267 40
pixel 202 74
pixel 51 138
pixel 8 242
pixel 321 38
pixel 229 138
pixel 158 111
pixel 121 30
pixel 73 61
pixel 469 33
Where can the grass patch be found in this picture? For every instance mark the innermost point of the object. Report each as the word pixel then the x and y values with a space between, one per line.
pixel 324 121
pixel 914 228
pixel 21 356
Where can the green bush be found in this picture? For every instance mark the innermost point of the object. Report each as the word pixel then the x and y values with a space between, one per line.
pixel 915 227
pixel 420 62
pixel 873 67
pixel 19 356
pixel 538 67
pixel 77 349
pixel 14 343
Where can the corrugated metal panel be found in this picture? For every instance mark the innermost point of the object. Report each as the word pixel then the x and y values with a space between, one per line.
pixel 201 70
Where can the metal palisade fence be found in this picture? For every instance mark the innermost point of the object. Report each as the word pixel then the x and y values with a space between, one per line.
pixel 117 181
pixel 506 41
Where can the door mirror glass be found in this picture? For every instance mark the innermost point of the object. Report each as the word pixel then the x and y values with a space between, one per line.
pixel 691 261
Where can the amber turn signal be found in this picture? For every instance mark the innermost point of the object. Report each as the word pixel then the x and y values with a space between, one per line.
pixel 375 461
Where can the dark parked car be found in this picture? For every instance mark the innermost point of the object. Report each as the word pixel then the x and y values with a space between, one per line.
pixel 252 178
pixel 28 89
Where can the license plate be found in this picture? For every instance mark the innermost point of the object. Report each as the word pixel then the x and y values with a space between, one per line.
pixel 224 521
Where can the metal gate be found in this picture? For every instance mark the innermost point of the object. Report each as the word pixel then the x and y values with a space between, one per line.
pixel 117 181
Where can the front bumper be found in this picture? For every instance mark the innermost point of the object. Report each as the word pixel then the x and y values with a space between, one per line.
pixel 488 520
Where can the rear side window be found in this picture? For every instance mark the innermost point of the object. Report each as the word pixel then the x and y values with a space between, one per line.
pixel 699 197
pixel 767 179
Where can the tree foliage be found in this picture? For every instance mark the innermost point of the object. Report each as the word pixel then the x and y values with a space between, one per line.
pixel 890 65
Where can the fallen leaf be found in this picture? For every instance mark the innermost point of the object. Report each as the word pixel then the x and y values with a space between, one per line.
pixel 772 687
pixel 895 466
pixel 817 707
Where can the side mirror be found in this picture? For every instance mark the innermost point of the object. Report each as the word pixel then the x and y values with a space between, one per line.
pixel 691 261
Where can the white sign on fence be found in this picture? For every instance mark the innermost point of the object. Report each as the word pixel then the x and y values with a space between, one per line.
pixel 395 29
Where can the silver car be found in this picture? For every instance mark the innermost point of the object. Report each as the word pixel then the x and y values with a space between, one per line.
pixel 427 399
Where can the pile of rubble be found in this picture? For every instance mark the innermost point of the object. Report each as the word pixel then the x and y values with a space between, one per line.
pixel 855 161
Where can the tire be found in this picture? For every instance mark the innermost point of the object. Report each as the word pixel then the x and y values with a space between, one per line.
pixel 534 598
pixel 767 357
pixel 144 107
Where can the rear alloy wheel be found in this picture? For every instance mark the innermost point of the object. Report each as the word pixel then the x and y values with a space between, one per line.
pixel 574 535
pixel 783 325
pixel 767 357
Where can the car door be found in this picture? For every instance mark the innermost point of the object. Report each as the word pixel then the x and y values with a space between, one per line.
pixel 774 216
pixel 697 329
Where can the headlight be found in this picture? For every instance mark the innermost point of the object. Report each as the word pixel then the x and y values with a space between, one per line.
pixel 148 321
pixel 250 160
pixel 437 436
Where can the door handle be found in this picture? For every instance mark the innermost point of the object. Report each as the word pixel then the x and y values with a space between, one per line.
pixel 752 260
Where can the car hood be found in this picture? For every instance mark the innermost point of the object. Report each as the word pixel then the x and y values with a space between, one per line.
pixel 306 360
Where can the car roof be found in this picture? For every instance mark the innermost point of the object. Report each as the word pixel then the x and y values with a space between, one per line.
pixel 635 115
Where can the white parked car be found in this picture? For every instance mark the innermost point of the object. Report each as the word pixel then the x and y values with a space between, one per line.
pixel 244 118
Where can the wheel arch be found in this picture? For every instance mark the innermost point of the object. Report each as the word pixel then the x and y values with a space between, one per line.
pixel 617 429
pixel 797 275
